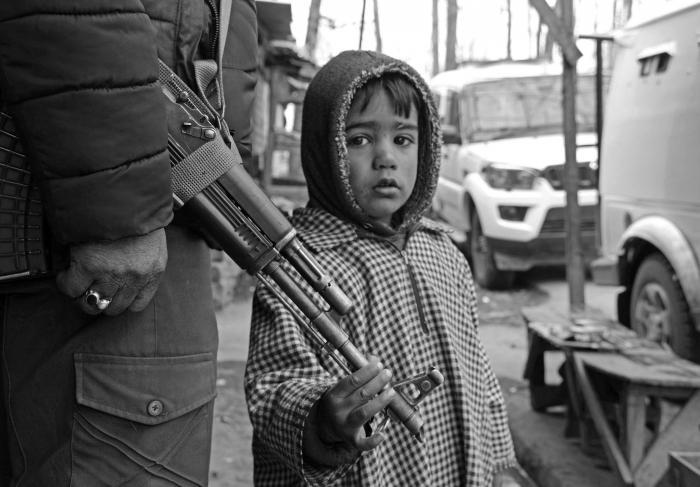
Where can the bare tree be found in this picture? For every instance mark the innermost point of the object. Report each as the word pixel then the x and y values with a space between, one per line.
pixel 529 30
pixel 538 39
pixel 377 30
pixel 434 38
pixel 362 22
pixel 451 40
pixel 546 51
pixel 626 10
pixel 509 47
pixel 621 13
pixel 312 28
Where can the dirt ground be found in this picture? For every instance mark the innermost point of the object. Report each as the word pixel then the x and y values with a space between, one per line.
pixel 231 464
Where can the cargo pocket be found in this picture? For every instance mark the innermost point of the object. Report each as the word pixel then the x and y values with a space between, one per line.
pixel 142 420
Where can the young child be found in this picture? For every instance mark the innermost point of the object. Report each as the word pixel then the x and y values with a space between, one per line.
pixel 370 153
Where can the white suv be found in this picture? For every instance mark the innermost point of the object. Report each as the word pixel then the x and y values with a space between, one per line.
pixel 501 180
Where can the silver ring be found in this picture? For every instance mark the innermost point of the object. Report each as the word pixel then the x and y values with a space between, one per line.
pixel 93 298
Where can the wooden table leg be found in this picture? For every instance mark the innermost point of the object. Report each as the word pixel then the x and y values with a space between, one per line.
pixel 574 416
pixel 633 432
pixel 681 434
pixel 610 445
pixel 542 395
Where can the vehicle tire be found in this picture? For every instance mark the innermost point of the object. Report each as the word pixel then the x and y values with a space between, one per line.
pixel 659 310
pixel 484 268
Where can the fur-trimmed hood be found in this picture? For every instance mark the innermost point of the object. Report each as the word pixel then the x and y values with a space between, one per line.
pixel 323 146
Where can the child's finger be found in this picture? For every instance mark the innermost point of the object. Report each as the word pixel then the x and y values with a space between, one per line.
pixel 370 442
pixel 348 385
pixel 373 387
pixel 360 415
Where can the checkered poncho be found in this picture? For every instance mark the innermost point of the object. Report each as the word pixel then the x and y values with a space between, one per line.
pixel 413 309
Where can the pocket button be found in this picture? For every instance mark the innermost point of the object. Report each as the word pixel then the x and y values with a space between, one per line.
pixel 155 408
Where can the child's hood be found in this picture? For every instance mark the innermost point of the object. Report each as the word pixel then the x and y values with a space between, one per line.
pixel 323 147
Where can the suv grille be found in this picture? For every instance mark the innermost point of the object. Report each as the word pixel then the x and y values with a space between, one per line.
pixel 587 176
pixel 554 222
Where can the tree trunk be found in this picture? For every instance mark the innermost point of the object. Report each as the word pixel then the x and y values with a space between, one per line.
pixel 362 22
pixel 626 10
pixel 312 28
pixel 509 47
pixel 575 272
pixel 621 13
pixel 538 50
pixel 377 30
pixel 451 40
pixel 434 39
pixel 549 39
pixel 529 31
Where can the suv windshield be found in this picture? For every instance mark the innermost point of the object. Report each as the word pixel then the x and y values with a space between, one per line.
pixel 524 106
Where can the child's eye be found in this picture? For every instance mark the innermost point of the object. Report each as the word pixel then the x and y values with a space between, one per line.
pixel 403 140
pixel 357 140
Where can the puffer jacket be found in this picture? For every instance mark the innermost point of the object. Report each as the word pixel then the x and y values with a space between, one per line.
pixel 80 79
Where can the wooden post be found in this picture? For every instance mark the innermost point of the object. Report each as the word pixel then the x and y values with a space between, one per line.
pixel 574 263
pixel 599 87
pixel 562 32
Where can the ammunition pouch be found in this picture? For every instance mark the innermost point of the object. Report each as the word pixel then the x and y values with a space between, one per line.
pixel 23 253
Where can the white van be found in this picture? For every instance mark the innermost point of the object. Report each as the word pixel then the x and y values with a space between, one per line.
pixel 650 178
pixel 501 181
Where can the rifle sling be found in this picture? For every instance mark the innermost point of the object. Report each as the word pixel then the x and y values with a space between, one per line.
pixel 202 167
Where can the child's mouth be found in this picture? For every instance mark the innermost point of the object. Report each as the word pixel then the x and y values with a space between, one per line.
pixel 386 186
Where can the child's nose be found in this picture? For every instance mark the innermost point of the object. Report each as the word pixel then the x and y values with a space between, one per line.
pixel 384 157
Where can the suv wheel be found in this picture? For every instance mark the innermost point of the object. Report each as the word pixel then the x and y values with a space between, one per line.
pixel 659 311
pixel 483 265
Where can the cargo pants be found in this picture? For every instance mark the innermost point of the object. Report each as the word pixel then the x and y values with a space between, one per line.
pixel 127 400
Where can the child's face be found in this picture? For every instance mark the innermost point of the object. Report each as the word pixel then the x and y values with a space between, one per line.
pixel 382 155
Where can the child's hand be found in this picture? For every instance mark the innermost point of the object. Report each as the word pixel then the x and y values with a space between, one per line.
pixel 512 477
pixel 342 413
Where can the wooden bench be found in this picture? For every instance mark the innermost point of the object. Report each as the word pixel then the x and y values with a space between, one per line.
pixel 550 330
pixel 642 377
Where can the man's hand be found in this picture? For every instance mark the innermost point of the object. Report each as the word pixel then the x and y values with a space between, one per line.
pixel 335 430
pixel 127 271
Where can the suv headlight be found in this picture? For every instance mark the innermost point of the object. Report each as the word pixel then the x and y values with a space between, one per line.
pixel 499 176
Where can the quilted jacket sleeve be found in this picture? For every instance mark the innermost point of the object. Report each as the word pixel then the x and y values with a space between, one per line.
pixel 80 78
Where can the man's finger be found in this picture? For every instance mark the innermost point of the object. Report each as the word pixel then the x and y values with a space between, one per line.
pixel 73 282
pixel 145 296
pixel 121 300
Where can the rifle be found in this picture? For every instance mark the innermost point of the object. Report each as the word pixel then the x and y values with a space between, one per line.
pixel 240 218
pixel 211 185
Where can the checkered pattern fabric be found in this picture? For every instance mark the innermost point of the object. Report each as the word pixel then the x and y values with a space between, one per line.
pixel 413 308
